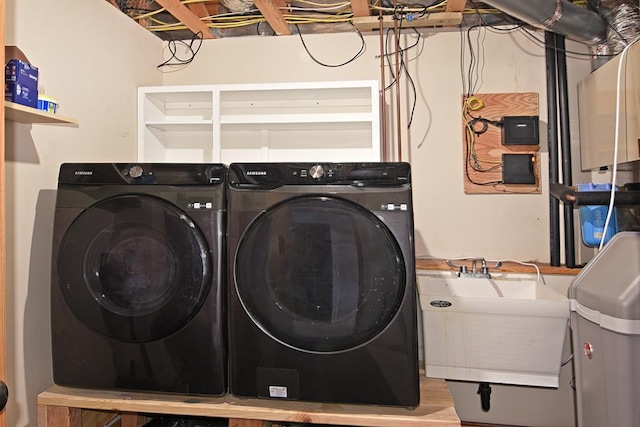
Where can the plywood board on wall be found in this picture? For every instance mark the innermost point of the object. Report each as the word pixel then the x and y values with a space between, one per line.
pixel 482 142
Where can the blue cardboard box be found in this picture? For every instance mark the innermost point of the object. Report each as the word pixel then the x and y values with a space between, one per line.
pixel 17 71
pixel 21 83
pixel 25 95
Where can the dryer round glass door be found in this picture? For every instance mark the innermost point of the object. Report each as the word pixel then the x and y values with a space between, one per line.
pixel 134 267
pixel 320 274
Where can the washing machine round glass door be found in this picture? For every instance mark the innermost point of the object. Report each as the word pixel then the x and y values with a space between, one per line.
pixel 134 267
pixel 320 274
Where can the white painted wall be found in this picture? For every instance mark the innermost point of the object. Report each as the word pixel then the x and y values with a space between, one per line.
pixel 91 58
pixel 449 223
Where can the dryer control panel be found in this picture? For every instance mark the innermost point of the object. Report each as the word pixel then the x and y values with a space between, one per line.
pixel 274 175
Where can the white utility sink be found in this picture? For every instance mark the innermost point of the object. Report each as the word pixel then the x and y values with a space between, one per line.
pixel 507 329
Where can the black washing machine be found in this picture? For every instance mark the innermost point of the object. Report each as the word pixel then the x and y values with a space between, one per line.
pixel 322 298
pixel 137 277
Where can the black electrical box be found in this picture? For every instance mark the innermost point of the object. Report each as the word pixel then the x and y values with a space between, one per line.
pixel 520 130
pixel 518 169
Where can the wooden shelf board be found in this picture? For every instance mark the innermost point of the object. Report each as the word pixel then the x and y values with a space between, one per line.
pixel 199 125
pixel 296 118
pixel 23 114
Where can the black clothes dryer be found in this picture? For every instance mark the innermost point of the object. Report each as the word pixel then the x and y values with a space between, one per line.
pixel 322 298
pixel 137 277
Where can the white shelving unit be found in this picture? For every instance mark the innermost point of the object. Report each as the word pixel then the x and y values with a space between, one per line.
pixel 325 121
pixel 176 123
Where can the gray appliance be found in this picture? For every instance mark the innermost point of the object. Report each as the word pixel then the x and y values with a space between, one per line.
pixel 605 320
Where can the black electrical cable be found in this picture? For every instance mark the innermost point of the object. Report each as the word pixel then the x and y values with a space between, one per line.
pixel 473 70
pixel 472 61
pixel 467 165
pixel 172 46
pixel 411 82
pixel 360 52
pixel 484 122
pixel 131 11
pixel 424 9
pixel 462 55
pixel 258 29
pixel 403 68
pixel 468 83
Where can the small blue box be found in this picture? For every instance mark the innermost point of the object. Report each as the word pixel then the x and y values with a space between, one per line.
pixel 21 83
pixel 17 71
pixel 592 218
pixel 21 94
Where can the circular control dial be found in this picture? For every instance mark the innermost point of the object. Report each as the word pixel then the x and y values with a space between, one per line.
pixel 135 171
pixel 316 172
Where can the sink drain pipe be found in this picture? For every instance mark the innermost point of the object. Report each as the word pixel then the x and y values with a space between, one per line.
pixel 484 390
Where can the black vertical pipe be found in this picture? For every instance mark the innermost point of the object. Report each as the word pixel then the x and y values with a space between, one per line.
pixel 552 142
pixel 565 147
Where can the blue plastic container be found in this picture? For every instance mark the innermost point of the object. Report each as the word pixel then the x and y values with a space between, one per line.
pixel 593 217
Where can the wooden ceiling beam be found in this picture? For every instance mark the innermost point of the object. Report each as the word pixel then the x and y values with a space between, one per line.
pixel 360 8
pixel 274 16
pixel 455 5
pixel 140 5
pixel 212 8
pixel 439 19
pixel 187 17
pixel 198 9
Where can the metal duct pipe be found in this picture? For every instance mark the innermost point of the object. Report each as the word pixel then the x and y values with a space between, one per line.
pixel 623 21
pixel 558 16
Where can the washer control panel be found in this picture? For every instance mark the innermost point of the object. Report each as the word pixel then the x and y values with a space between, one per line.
pixel 142 174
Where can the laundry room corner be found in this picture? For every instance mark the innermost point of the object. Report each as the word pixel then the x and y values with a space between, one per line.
pixel 302 224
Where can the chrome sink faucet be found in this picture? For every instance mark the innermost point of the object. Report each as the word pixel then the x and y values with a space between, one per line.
pixel 483 272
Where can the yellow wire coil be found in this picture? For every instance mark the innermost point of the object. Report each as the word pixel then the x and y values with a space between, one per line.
pixel 474 103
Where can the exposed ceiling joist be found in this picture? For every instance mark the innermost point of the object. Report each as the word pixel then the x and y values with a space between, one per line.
pixel 360 8
pixel 140 4
pixel 186 16
pixel 455 5
pixel 274 17
pixel 186 19
pixel 198 9
pixel 441 19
